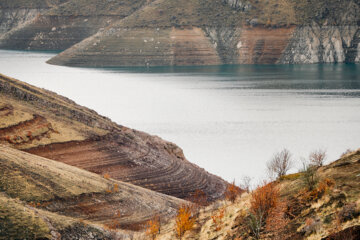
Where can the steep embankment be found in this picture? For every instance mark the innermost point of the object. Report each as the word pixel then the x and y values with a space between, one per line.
pixel 331 211
pixel 48 125
pixel 64 25
pixel 53 192
pixel 193 32
pixel 224 32
pixel 16 13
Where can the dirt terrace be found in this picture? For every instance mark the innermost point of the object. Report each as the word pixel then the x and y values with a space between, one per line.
pixel 128 161
pixel 54 127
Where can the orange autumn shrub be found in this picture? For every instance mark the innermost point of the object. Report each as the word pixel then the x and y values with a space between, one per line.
pixel 232 192
pixel 199 198
pixel 264 205
pixel 153 228
pixel 217 219
pixel 323 187
pixel 184 220
pixel 264 199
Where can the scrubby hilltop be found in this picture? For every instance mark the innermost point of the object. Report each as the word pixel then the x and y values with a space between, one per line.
pixel 193 32
pixel 329 211
pixel 51 126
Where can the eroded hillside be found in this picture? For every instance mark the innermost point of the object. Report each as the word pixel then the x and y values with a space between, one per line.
pixel 58 198
pixel 331 211
pixel 193 32
pixel 49 125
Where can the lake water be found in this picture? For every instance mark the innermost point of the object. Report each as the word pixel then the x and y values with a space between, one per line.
pixel 229 120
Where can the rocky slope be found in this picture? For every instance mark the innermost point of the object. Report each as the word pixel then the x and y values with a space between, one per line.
pixel 332 214
pixel 61 201
pixel 196 32
pixel 48 125
pixel 14 14
pixel 63 25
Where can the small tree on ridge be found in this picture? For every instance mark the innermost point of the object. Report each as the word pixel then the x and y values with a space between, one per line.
pixel 280 163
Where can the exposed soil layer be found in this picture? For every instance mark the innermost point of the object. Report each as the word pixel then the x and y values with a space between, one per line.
pixel 54 127
pixel 78 194
pixel 128 161
pixel 263 45
pixel 351 233
pixel 26 131
pixel 6 110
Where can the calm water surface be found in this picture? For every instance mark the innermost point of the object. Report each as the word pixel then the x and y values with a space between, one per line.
pixel 229 120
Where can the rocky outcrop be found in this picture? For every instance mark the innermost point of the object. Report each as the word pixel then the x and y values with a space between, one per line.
pixel 66 132
pixel 67 24
pixel 13 18
pixel 323 44
pixel 242 5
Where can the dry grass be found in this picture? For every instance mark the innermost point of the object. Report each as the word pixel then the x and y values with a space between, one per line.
pixel 33 178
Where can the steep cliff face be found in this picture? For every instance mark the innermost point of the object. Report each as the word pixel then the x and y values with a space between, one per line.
pixel 334 39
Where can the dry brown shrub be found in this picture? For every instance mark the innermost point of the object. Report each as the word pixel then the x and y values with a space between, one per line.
pixel 232 192
pixel 199 198
pixel 277 221
pixel 323 188
pixel 114 224
pixel 264 202
pixel 217 219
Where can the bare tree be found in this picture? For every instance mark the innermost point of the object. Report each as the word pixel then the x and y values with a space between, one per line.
pixel 280 163
pixel 317 157
pixel 246 183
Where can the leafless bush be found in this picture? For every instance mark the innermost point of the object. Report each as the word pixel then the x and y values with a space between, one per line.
pixel 280 163
pixel 246 183
pixel 309 177
pixel 317 157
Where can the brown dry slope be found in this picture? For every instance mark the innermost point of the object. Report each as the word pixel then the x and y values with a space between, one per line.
pixel 66 23
pixel 59 192
pixel 48 125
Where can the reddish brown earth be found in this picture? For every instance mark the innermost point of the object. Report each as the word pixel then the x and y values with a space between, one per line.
pixel 191 46
pixel 26 131
pixel 152 166
pixel 263 45
pixel 6 110
pixel 64 131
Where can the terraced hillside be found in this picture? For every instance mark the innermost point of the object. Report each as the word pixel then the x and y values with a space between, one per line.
pixel 193 32
pixel 65 24
pixel 15 13
pixel 60 198
pixel 48 125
